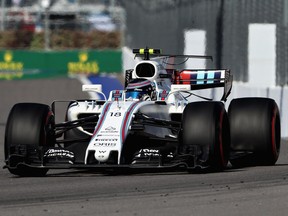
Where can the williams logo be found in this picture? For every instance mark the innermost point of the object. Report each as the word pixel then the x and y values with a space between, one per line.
pixel 110 128
pixel 10 69
pixel 83 66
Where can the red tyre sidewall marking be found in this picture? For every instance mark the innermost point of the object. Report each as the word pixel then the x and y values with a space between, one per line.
pixel 273 122
pixel 43 139
pixel 50 113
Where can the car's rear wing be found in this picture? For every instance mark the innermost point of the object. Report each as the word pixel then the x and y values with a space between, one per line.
pixel 203 79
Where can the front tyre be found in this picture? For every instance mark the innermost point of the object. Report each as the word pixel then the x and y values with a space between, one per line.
pixel 205 134
pixel 29 128
pixel 255 131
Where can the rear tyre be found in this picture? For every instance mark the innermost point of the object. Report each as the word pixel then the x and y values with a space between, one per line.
pixel 255 131
pixel 29 128
pixel 205 127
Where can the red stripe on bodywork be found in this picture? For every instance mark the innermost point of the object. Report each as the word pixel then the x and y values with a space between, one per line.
pixel 126 119
pixel 164 93
pixel 138 85
pixel 185 75
pixel 102 118
pixel 117 92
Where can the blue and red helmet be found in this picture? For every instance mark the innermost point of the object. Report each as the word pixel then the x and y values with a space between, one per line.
pixel 141 89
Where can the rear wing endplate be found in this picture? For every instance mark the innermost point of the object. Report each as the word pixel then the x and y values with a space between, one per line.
pixel 203 79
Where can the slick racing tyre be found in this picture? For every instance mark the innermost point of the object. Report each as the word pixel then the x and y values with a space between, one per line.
pixel 29 127
pixel 255 131
pixel 205 133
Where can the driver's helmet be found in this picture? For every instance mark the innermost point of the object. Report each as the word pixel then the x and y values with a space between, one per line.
pixel 140 89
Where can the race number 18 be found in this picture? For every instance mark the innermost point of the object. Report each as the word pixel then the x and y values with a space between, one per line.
pixel 115 114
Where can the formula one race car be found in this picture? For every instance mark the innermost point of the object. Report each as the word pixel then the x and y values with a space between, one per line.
pixel 151 124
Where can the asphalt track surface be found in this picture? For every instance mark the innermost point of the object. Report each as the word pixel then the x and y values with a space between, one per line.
pixel 247 191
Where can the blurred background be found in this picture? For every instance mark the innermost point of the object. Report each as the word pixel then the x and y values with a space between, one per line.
pixel 225 29
pixel 60 25
pixel 92 39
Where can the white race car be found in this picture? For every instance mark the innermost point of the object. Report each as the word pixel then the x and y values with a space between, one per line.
pixel 151 124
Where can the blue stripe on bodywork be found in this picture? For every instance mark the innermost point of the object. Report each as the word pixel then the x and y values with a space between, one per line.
pixel 200 76
pixel 193 77
pixel 126 120
pixel 210 77
pixel 217 76
pixel 102 118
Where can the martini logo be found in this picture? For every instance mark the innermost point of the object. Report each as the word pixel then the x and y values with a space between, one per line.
pixel 10 69
pixel 83 66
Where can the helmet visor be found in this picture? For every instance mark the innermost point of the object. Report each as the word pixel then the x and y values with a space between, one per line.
pixel 134 94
